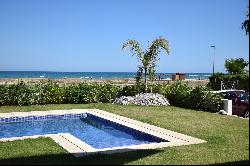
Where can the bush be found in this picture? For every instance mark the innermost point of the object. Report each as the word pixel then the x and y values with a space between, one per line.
pixel 90 93
pixel 132 90
pixel 157 88
pixel 202 99
pixel 72 94
pixel 108 93
pixel 3 95
pixel 178 94
pixel 49 93
pixel 23 93
pixel 181 95
pixel 19 94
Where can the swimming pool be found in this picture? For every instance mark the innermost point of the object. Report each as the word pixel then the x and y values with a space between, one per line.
pixel 91 129
pixel 82 131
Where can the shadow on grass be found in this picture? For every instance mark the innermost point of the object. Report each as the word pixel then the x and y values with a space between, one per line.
pixel 67 159
pixel 242 162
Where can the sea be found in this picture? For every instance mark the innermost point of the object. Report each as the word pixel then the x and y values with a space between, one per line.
pixel 92 75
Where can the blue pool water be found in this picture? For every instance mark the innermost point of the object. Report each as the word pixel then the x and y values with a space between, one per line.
pixel 95 131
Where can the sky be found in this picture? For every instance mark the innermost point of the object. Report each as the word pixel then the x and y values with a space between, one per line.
pixel 87 35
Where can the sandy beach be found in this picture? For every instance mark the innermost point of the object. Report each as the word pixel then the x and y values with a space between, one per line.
pixel 122 82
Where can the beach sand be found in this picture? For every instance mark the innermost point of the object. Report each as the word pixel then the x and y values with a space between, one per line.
pixel 122 82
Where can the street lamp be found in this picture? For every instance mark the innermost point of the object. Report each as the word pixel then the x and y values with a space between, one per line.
pixel 213 57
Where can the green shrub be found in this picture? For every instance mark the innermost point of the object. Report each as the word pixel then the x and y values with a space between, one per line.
pixel 72 94
pixel 24 93
pixel 3 95
pixel 90 93
pixel 181 95
pixel 177 94
pixel 49 93
pixel 16 94
pixel 132 90
pixel 81 93
pixel 157 88
pixel 202 99
pixel 108 92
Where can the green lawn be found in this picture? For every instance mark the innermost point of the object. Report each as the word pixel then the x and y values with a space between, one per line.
pixel 227 139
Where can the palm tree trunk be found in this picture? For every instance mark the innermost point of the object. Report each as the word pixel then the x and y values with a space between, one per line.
pixel 145 74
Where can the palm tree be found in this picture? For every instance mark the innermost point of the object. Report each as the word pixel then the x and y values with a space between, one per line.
pixel 148 58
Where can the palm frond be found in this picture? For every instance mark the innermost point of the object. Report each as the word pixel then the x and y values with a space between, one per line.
pixel 157 44
pixel 154 48
pixel 134 48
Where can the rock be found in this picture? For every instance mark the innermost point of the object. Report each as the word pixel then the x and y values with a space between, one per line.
pixel 222 112
pixel 146 99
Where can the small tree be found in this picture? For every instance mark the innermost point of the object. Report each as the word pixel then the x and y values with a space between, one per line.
pixel 148 58
pixel 235 66
pixel 151 73
pixel 139 76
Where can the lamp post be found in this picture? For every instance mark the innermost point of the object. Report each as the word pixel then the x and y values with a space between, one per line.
pixel 213 57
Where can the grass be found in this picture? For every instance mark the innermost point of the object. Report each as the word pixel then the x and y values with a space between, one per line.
pixel 227 139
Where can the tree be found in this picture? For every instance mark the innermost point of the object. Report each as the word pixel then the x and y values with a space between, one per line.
pixel 245 24
pixel 148 58
pixel 151 73
pixel 235 66
pixel 139 76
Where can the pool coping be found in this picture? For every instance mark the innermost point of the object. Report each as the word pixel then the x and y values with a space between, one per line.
pixel 79 148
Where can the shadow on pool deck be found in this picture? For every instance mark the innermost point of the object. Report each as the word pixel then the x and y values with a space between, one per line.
pixel 67 159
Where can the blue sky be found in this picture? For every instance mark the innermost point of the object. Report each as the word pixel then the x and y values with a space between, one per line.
pixel 87 35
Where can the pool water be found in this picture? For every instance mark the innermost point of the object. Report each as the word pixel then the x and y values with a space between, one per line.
pixel 95 131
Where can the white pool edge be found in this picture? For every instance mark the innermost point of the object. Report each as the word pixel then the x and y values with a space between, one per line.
pixel 79 148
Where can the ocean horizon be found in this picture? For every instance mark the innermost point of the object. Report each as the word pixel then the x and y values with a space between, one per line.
pixel 90 75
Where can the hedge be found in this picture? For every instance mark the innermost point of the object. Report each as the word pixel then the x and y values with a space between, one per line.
pixel 51 93
pixel 179 94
